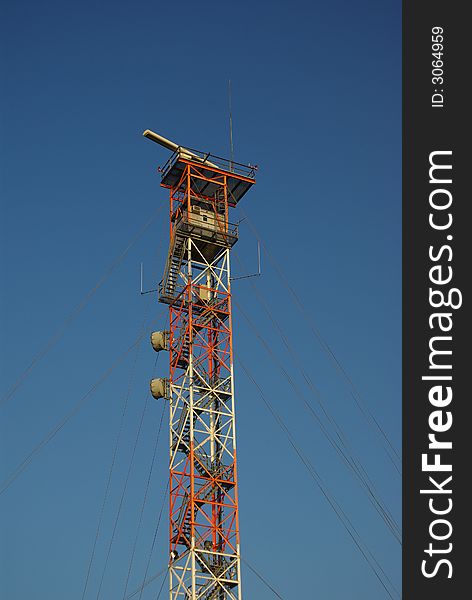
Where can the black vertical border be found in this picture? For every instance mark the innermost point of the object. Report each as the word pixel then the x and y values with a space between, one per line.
pixel 426 129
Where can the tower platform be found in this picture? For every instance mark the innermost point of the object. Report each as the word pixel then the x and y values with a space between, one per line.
pixel 239 177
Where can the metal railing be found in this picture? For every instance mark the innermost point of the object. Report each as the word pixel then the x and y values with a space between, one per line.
pixel 224 164
pixel 213 226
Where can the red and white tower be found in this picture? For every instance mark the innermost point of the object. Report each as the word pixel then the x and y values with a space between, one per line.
pixel 204 530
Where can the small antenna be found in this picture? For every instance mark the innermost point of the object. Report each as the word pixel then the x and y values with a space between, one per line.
pixel 259 272
pixel 231 147
pixel 258 257
pixel 141 291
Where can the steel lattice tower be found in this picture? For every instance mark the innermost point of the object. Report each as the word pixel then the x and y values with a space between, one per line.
pixel 204 530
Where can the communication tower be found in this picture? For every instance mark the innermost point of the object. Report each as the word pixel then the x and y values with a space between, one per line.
pixel 204 529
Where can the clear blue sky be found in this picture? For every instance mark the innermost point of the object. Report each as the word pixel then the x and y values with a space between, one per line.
pixel 317 105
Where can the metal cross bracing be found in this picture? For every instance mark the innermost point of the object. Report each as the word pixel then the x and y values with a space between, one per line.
pixel 204 529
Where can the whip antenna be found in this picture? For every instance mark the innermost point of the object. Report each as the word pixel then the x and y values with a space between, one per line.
pixel 231 147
